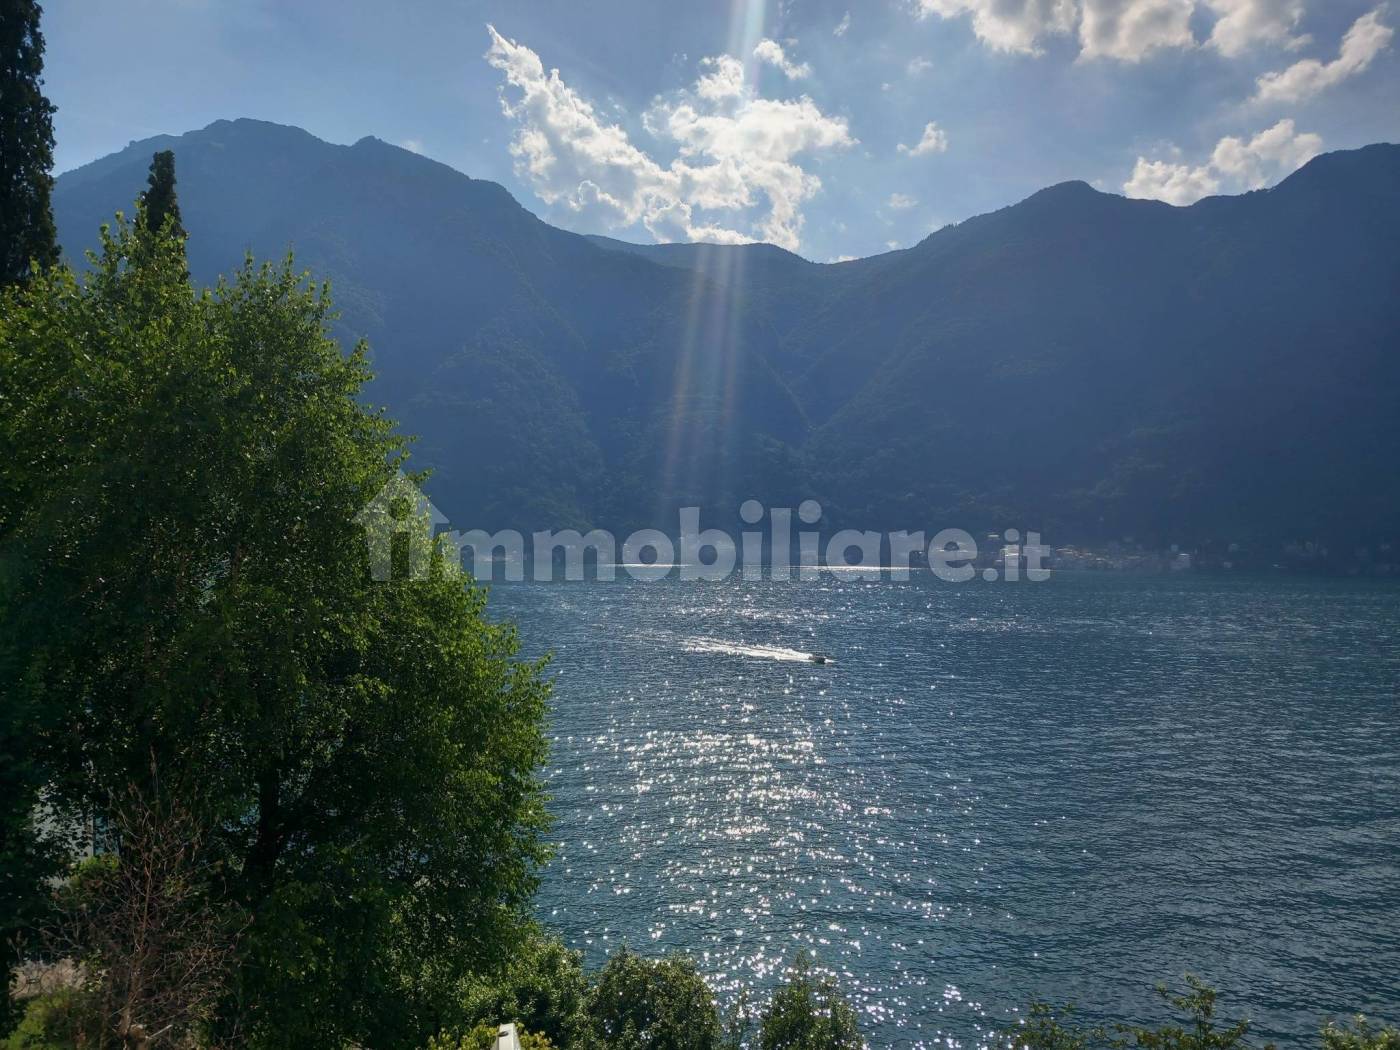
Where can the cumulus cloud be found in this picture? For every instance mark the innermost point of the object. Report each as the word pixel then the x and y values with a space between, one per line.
pixel 1174 183
pixel 736 153
pixel 933 140
pixel 1130 29
pixel 772 52
pixel 1244 23
pixel 900 201
pixel 1235 164
pixel 1126 30
pixel 1366 39
pixel 1008 25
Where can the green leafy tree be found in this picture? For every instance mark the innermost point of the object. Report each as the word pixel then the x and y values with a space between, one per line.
pixel 27 861
pixel 808 1013
pixel 484 1036
pixel 52 1021
pixel 27 235
pixel 656 1004
pixel 184 589
pixel 1048 1028
pixel 542 987
pixel 161 205
pixel 1359 1035
pixel 26 145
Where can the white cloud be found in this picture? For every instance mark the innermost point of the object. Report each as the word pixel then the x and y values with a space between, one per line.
pixel 1234 165
pixel 412 145
pixel 843 258
pixel 1008 25
pixel 1163 180
pixel 900 201
pixel 934 140
pixel 771 51
pixel 723 82
pixel 1130 29
pixel 843 25
pixel 918 66
pixel 1366 39
pixel 736 153
pixel 1243 23
pixel 1278 151
pixel 1127 30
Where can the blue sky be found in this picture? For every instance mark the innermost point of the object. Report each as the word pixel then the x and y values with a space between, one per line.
pixel 834 128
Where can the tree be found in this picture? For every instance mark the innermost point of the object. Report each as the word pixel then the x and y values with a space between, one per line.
pixel 1048 1028
pixel 26 145
pixel 483 1037
pixel 154 944
pixel 541 987
pixel 1360 1035
pixel 183 587
pixel 26 859
pixel 158 199
pixel 808 1013
pixel 660 1004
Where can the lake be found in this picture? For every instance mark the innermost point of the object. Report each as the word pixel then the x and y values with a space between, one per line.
pixel 1069 790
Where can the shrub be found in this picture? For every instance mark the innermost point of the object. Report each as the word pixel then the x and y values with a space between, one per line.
pixel 656 1004
pixel 1049 1028
pixel 483 1037
pixel 808 1013
pixel 50 1022
pixel 1359 1035
pixel 542 988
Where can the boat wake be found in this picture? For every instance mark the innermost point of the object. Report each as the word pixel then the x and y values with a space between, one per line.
pixel 756 652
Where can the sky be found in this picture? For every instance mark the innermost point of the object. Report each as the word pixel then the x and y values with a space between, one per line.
pixel 833 128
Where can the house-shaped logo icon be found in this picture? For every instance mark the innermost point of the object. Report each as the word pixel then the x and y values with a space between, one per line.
pixel 400 515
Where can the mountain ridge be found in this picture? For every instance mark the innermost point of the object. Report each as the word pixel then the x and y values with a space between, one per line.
pixel 1144 352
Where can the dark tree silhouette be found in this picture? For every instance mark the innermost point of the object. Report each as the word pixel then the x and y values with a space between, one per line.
pixel 159 196
pixel 26 145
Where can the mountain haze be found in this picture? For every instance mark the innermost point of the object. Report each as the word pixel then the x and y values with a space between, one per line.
pixel 1078 363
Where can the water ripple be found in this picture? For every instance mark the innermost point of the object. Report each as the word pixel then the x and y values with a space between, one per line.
pixel 1067 791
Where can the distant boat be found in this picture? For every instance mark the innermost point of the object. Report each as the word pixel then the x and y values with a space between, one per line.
pixel 816 658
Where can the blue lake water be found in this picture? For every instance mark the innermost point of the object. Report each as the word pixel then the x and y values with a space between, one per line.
pixel 1068 790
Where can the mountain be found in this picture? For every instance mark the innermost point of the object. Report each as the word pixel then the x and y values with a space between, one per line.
pixel 1078 363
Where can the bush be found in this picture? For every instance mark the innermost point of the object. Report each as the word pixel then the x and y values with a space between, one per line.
pixel 1359 1035
pixel 154 947
pixel 808 1013
pixel 543 989
pixel 660 1004
pixel 50 1022
pixel 1048 1028
pixel 483 1037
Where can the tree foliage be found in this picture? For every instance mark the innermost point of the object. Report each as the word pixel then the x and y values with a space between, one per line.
pixel 484 1037
pixel 808 1013
pixel 542 987
pixel 26 145
pixel 160 204
pixel 1049 1028
pixel 651 1004
pixel 154 946
pixel 183 588
pixel 1360 1034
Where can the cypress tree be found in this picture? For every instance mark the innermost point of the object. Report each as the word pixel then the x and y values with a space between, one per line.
pixel 26 145
pixel 159 196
